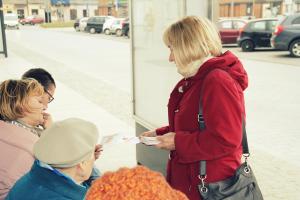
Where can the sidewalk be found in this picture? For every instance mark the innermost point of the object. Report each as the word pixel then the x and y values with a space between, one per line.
pixel 272 116
pixel 69 103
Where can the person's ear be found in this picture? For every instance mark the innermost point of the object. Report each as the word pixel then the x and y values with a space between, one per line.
pixel 81 168
pixel 21 110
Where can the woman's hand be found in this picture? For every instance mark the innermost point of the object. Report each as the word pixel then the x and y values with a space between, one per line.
pixel 98 150
pixel 48 121
pixel 167 141
pixel 149 134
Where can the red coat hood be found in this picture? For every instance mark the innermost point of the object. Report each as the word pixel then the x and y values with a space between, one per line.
pixel 228 62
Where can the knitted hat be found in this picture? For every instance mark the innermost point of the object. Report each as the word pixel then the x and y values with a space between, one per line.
pixel 133 184
pixel 67 143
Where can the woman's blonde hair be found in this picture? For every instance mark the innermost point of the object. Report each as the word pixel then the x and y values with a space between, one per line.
pixel 192 38
pixel 14 97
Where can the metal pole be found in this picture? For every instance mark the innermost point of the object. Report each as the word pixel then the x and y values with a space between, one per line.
pixel 3 30
pixel 87 9
pixel 253 3
pixel 27 4
pixel 210 10
pixel 231 8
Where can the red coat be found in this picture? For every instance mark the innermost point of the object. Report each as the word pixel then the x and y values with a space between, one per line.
pixel 222 80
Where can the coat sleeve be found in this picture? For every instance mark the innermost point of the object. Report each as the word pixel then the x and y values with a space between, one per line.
pixel 223 113
pixel 162 130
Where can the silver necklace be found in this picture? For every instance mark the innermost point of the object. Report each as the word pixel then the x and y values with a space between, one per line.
pixel 27 127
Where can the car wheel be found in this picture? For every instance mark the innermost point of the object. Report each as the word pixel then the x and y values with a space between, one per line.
pixel 247 45
pixel 31 23
pixel 107 31
pixel 92 30
pixel 295 48
pixel 118 32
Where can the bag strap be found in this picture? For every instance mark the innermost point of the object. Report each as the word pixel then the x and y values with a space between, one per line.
pixel 202 126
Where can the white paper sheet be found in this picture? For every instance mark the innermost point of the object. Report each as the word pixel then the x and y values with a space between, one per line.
pixel 119 139
pixel 149 140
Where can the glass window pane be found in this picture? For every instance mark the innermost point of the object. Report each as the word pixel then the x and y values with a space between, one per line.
pixel 238 24
pixel 259 26
pixel 226 25
pixel 296 21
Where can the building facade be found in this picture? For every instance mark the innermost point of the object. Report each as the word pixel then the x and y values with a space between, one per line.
pixel 82 8
pixel 117 8
pixel 258 8
pixel 65 10
pixel 24 7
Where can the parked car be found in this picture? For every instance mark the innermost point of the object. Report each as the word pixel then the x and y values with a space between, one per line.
pixel 80 24
pixel 256 33
pixel 95 24
pixel 11 21
pixel 116 27
pixel 229 29
pixel 125 28
pixel 32 20
pixel 287 35
pixel 107 26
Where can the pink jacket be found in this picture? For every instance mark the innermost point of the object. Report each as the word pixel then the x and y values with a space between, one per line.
pixel 16 157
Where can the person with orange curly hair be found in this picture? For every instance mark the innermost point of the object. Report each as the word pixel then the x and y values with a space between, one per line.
pixel 133 184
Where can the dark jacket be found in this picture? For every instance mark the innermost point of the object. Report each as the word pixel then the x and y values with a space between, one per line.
pixel 41 183
pixel 221 82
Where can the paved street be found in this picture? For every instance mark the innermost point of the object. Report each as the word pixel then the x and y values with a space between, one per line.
pixel 94 82
pixel 267 55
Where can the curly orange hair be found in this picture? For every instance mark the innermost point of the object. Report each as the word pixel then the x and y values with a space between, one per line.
pixel 133 184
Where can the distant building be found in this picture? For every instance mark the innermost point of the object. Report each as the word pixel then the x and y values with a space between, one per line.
pixel 82 8
pixel 24 7
pixel 117 8
pixel 65 10
pixel 257 8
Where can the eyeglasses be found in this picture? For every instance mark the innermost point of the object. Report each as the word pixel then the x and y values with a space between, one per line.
pixel 51 98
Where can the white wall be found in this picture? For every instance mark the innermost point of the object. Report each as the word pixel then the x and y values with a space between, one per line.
pixel 80 8
pixel 38 7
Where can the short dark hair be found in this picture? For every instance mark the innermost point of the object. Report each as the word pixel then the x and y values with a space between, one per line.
pixel 41 75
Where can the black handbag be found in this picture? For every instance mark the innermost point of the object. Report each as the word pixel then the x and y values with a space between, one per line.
pixel 241 186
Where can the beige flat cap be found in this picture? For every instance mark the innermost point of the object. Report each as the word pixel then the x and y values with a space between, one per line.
pixel 67 143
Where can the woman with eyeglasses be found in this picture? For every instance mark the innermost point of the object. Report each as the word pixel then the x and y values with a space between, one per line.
pixel 21 111
pixel 47 81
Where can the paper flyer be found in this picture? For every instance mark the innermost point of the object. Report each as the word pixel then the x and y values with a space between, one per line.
pixel 119 139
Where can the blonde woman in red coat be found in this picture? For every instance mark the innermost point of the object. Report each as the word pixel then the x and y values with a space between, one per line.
pixel 220 79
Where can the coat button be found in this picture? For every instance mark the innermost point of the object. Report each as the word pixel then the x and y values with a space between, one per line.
pixel 176 110
pixel 180 89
